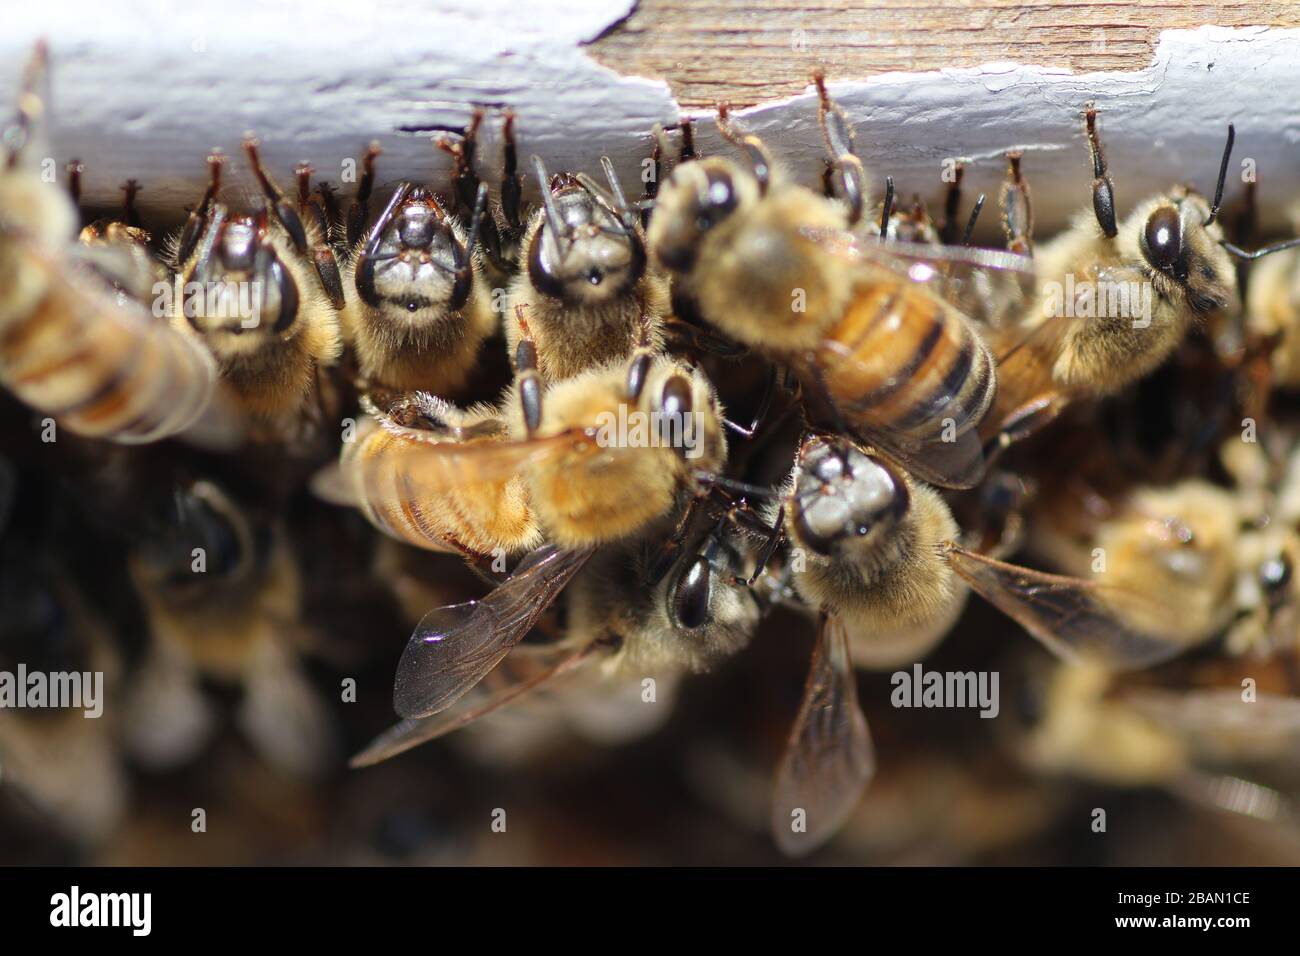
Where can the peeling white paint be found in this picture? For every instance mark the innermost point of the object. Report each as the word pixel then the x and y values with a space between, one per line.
pixel 1160 125
pixel 317 80
pixel 144 88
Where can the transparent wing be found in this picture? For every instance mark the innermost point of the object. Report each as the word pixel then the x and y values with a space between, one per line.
pixel 829 759
pixel 1075 619
pixel 536 671
pixel 1221 723
pixel 454 647
pixel 987 285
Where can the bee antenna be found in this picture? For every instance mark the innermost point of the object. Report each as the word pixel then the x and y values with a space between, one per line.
pixel 476 221
pixel 970 223
pixel 1223 174
pixel 759 160
pixel 553 221
pixel 1241 253
pixel 887 207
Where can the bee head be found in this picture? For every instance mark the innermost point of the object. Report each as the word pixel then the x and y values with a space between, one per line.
pixel 413 260
pixel 238 282
pixel 581 253
pixel 842 495
pixel 1182 246
pixel 698 197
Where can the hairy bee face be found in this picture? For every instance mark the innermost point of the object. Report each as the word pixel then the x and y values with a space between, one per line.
pixel 243 287
pixel 1175 242
pixel 595 260
pixel 414 261
pixel 844 496
pixel 697 199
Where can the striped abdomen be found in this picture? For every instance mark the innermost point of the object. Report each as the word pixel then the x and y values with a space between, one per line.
pixel 105 371
pixel 903 362
pixel 424 508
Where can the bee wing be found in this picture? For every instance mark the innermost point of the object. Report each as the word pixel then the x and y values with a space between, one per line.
pixel 1074 618
pixel 412 732
pixel 987 285
pixel 829 759
pixel 1217 719
pixel 454 647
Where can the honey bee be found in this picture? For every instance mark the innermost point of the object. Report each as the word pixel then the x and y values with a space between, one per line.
pixel 550 461
pixel 421 308
pixel 70 346
pixel 884 568
pixel 775 266
pixel 869 540
pixel 1113 298
pixel 263 303
pixel 584 281
pixel 427 507
pixel 1220 562
pixel 641 611
pixel 1197 735
pixel 232 618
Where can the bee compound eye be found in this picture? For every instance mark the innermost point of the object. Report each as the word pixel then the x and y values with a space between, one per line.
pixel 692 594
pixel 717 200
pixel 1164 240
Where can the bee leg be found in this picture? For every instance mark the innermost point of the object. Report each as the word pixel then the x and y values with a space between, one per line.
pixel 1017 210
pixel 74 170
pixel 774 534
pixel 464 180
pixel 1024 421
pixel 364 271
pixel 309 205
pixel 844 163
pixel 759 160
pixel 702 340
pixel 322 255
pixel 33 138
pixel 526 374
pixel 1103 189
pixel 130 215
pixel 329 208
pixel 948 232
pixel 512 183
pixel 285 214
pixel 760 413
pixel 464 275
pixel 650 186
pixel 887 207
pixel 974 218
pixel 687 152
pixel 671 548
pixel 199 214
pixel 360 202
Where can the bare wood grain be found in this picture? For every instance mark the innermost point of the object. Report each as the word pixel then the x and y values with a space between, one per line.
pixel 748 51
